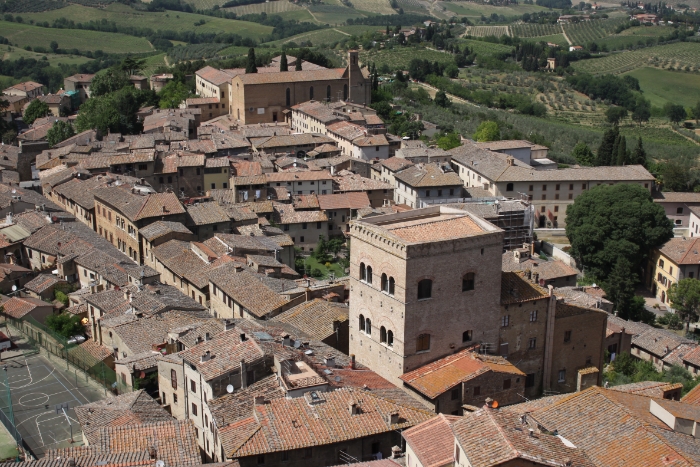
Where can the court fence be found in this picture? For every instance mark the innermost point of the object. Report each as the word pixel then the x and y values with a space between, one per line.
pixel 7 417
pixel 38 334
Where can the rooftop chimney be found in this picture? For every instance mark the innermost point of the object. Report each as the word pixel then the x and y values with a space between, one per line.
pixel 244 375
pixel 152 452
pixel 287 341
pixel 206 357
pixel 354 409
pixel 259 400
pixel 228 324
pixel 395 452
pixel 330 361
pixel 392 418
pixel 71 462
pixel 243 337
pixel 352 361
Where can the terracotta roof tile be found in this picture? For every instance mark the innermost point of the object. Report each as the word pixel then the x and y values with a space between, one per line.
pixel 134 408
pixel 316 317
pixel 352 200
pixel 286 424
pixel 433 441
pixel 248 290
pixel 437 377
pixel 613 428
pixel 490 438
pixel 682 250
pixel 291 76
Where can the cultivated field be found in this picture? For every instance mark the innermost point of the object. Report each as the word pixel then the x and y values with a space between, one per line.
pixel 333 14
pixel 662 86
pixel 476 9
pixel 414 6
pixel 677 56
pixel 534 30
pixel 634 36
pixel 13 53
pixel 588 31
pixel 398 59
pixel 484 31
pixel 484 48
pixel 380 7
pixel 283 8
pixel 26 35
pixel 122 15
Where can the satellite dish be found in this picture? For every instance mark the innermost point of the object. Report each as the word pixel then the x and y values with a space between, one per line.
pixel 229 388
pixel 14 288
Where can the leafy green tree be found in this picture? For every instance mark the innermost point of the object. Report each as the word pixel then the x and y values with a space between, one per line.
pixel 451 70
pixel 54 46
pixel 685 299
pixel 297 64
pixel 487 131
pixel 642 111
pixel 619 286
pixel 9 136
pixel 696 112
pixel 449 141
pixel 172 95
pixel 115 112
pixel 609 222
pixel 60 131
pixel 675 177
pixel 639 156
pixel 36 109
pixel 284 66
pixel 605 150
pixel 674 112
pixel 131 66
pixel 65 324
pixel 615 114
pixel 583 154
pixel 335 245
pixel 441 99
pixel 250 66
pixel 110 81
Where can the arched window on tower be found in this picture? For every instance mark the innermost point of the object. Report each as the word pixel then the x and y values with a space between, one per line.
pixel 385 283
pixel 368 326
pixel 363 272
pixel 362 323
pixel 390 339
pixel 382 335
pixel 392 283
pixel 369 274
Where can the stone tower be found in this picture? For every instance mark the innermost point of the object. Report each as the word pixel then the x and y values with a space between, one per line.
pixel 423 284
pixel 360 88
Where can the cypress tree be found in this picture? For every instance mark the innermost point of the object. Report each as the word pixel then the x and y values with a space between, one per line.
pixel 283 62
pixel 639 156
pixel 622 153
pixel 605 150
pixel 613 153
pixel 297 67
pixel 250 66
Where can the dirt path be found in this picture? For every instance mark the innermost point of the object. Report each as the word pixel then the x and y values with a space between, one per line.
pixel 314 16
pixel 338 30
pixel 565 36
pixel 432 91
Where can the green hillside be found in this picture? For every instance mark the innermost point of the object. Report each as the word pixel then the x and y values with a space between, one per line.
pixel 26 35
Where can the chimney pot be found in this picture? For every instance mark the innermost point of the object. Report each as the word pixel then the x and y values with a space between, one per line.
pixel 352 361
